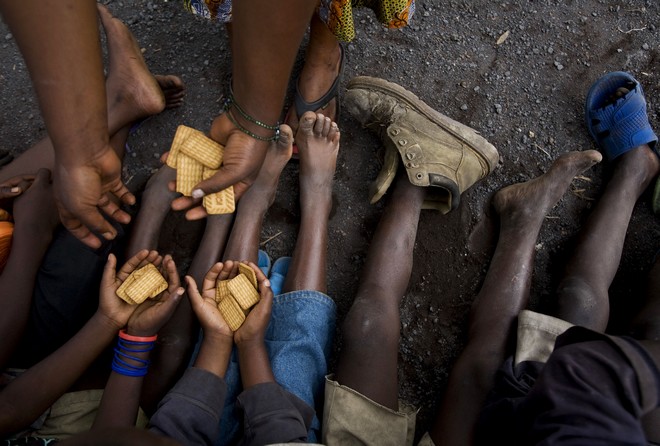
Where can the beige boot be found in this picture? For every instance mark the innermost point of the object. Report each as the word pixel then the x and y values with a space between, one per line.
pixel 436 150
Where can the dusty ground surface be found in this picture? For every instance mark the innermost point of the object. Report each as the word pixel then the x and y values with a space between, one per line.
pixel 524 95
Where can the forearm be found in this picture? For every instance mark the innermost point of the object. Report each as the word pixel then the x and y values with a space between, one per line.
pixel 214 354
pixel 254 364
pixel 17 282
pixel 29 395
pixel 121 398
pixel 60 43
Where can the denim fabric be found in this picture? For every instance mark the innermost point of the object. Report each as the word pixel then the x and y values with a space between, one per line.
pixel 299 342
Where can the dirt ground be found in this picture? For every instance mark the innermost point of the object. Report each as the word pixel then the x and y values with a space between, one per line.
pixel 524 94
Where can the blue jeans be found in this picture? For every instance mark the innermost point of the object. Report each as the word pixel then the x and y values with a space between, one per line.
pixel 299 342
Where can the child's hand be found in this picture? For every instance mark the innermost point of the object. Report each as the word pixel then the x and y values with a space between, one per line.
pixel 14 187
pixel 204 304
pixel 110 305
pixel 254 327
pixel 152 314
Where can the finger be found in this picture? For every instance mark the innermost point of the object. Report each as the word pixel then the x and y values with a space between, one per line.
pixel 112 209
pixel 119 190
pixel 227 268
pixel 183 203
pixel 11 191
pixel 171 186
pixel 90 218
pixel 79 231
pixel 15 181
pixel 211 276
pixel 193 294
pixel 108 277
pixel 196 213
pixel 172 273
pixel 261 277
pixel 132 264
pixel 223 178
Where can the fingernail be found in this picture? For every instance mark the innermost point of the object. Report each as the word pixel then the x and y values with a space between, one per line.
pixel 15 189
pixel 267 283
pixel 180 291
pixel 108 235
pixel 197 193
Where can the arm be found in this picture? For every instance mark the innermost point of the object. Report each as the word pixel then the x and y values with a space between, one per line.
pixel 54 36
pixel 29 395
pixel 121 398
pixel 191 411
pixel 272 415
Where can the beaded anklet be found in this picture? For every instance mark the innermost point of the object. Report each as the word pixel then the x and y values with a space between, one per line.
pixel 231 104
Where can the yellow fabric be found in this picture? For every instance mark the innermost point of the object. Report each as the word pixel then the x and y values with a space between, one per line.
pixel 338 14
pixel 350 418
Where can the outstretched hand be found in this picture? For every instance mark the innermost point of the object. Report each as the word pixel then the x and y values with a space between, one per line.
pixel 82 191
pixel 256 323
pixel 204 304
pixel 242 159
pixel 111 306
pixel 150 316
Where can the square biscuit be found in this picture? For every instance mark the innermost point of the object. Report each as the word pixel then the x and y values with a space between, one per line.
pixel 188 174
pixel 203 149
pixel 244 268
pixel 220 202
pixel 231 313
pixel 243 292
pixel 182 133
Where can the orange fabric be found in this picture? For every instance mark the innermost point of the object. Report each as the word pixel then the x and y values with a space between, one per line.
pixel 6 234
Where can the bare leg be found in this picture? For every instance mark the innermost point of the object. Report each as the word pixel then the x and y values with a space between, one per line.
pixel 583 292
pixel 504 293
pixel 132 92
pixel 321 68
pixel 243 244
pixel 371 328
pixel 318 143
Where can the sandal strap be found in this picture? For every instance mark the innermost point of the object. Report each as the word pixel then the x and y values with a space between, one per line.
pixel 303 106
pixel 623 125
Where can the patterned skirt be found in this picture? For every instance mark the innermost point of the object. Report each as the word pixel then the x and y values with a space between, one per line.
pixel 336 14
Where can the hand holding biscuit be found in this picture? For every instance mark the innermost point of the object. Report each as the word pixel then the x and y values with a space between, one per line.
pixel 149 317
pixel 256 322
pixel 204 304
pixel 112 307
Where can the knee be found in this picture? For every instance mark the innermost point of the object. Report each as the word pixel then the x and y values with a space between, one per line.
pixel 367 321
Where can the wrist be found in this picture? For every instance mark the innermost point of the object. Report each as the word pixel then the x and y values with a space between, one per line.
pixel 107 323
pixel 250 345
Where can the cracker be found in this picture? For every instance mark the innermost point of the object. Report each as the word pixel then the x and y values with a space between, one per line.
pixel 221 290
pixel 182 133
pixel 245 269
pixel 141 284
pixel 149 284
pixel 243 292
pixel 188 174
pixel 203 149
pixel 220 202
pixel 231 313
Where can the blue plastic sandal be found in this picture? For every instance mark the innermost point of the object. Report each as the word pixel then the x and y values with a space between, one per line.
pixel 620 126
pixel 264 262
pixel 278 274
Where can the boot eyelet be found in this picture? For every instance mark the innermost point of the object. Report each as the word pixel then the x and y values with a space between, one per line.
pixel 411 155
pixel 395 131
pixel 419 176
pixel 403 142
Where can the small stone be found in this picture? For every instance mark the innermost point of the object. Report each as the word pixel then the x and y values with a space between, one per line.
pixel 464 107
pixel 498 108
pixel 646 47
pixel 8 36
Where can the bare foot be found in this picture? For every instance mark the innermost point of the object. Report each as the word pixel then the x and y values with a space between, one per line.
pixel 133 92
pixel 317 76
pixel 526 204
pixel 318 144
pixel 155 205
pixel 261 194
